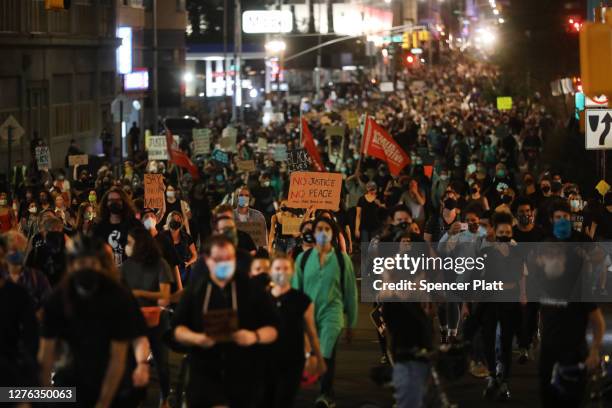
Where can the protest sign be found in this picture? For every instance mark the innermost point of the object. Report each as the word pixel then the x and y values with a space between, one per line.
pixel 386 87
pixel 257 231
pixel 291 225
pixel 43 157
pixel 220 156
pixel 298 160
pixel 280 152
pixel 352 120
pixel 158 149
pixel 246 165
pixel 428 171
pixel 201 141
pixel 78 160
pixel 154 190
pixel 315 189
pixel 334 131
pixel 504 103
pixel 228 139
pixel 262 144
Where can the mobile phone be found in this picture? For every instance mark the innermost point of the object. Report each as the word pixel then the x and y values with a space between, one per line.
pixel 463 226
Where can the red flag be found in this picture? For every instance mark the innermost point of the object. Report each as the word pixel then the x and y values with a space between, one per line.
pixel 180 158
pixel 309 144
pixel 378 143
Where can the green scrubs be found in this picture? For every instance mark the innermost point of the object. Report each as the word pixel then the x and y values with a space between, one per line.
pixel 322 284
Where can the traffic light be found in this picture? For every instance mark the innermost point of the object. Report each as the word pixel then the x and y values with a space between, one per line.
pixel 574 25
pixel 54 5
pixel 406 41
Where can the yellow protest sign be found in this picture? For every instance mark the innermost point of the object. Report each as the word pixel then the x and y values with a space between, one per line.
pixel 504 103
pixel 78 160
pixel 291 225
pixel 315 189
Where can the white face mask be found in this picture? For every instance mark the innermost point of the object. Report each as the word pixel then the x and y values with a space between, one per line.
pixel 149 223
pixel 170 194
pixel 129 251
pixel 32 210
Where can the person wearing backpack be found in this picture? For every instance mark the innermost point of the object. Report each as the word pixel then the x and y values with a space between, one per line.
pixel 326 275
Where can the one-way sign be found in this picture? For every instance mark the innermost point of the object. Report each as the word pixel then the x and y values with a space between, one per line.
pixel 598 129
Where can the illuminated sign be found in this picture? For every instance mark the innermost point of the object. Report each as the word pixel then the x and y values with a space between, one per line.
pixel 267 21
pixel 124 51
pixel 136 81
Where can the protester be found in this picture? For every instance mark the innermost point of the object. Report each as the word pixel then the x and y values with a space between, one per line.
pixel 148 276
pixel 183 243
pixel 222 318
pixel 326 275
pixel 8 218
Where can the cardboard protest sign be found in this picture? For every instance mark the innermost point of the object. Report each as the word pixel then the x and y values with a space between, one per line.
pixel 43 157
pixel 280 152
pixel 291 225
pixel 262 144
pixel 201 141
pixel 220 156
pixel 228 139
pixel 246 165
pixel 334 131
pixel 298 160
pixel 257 231
pixel 78 160
pixel 315 189
pixel 157 148
pixel 504 103
pixel 154 190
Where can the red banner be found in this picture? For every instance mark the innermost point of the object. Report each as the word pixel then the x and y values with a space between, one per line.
pixel 378 143
pixel 180 158
pixel 310 146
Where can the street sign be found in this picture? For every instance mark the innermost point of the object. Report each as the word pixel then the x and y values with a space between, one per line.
pixel 17 130
pixel 596 102
pixel 598 129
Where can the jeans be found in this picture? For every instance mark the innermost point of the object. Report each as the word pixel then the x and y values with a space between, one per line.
pixel 410 383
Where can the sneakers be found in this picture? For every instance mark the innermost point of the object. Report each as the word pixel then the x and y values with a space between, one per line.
pixel 490 391
pixel 478 370
pixel 523 356
pixel 503 394
pixel 324 402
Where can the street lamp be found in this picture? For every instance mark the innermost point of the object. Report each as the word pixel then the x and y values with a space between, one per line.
pixel 276 46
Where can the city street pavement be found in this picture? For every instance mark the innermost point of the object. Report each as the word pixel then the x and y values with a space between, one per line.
pixel 355 389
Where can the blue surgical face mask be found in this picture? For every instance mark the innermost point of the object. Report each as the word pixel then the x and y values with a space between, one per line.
pixel 562 229
pixel 243 201
pixel 322 238
pixel 224 270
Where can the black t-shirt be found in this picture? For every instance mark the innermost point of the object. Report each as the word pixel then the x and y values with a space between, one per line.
pixel 245 242
pixel 535 235
pixel 88 325
pixel 255 310
pixel 369 214
pixel 507 269
pixel 168 251
pixel 116 236
pixel 18 328
pixel 564 328
pixel 409 328
pixel 289 347
pixel 437 227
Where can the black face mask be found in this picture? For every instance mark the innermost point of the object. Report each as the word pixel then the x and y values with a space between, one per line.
pixel 450 203
pixel 545 189
pixel 116 208
pixel 506 199
pixel 174 225
pixel 503 239
pixel 474 190
pixel 308 237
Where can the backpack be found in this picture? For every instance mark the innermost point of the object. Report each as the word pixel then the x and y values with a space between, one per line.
pixel 339 257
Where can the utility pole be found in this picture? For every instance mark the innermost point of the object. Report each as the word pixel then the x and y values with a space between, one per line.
pixel 155 79
pixel 225 64
pixel 237 62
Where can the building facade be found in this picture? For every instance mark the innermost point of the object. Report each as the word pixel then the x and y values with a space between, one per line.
pixel 57 74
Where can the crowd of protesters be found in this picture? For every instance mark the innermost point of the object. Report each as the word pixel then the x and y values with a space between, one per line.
pixel 111 287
